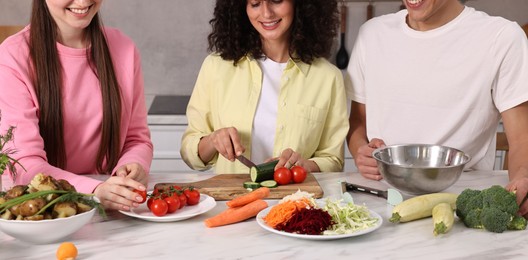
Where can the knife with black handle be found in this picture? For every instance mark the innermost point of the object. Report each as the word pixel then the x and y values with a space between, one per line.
pixel 346 186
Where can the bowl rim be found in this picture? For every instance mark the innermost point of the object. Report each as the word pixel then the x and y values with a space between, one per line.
pixel 35 222
pixel 466 156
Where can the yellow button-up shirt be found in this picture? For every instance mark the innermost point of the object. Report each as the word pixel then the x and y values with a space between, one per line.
pixel 312 117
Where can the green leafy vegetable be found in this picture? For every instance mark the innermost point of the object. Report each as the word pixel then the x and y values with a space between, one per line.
pixel 6 159
pixel 348 217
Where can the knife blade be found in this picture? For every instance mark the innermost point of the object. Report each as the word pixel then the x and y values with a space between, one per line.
pixel 245 161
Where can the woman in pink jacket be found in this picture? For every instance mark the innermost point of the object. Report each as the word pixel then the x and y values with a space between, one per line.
pixel 74 91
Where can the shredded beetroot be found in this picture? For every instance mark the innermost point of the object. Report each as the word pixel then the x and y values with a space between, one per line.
pixel 308 221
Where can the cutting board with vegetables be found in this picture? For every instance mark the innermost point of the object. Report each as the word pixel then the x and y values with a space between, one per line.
pixel 228 186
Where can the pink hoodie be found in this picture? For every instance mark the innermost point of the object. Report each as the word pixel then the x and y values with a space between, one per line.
pixel 82 110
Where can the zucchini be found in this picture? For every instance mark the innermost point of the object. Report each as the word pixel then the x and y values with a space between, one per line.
pixel 443 218
pixel 421 206
pixel 269 184
pixel 263 171
pixel 251 185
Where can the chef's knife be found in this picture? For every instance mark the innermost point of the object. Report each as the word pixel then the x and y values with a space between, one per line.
pixel 245 161
pixel 392 196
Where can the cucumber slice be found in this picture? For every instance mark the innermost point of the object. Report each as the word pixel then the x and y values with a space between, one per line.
pixel 263 172
pixel 251 185
pixel 269 184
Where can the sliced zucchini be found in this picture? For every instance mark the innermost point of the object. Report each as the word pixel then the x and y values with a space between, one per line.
pixel 263 172
pixel 251 185
pixel 269 184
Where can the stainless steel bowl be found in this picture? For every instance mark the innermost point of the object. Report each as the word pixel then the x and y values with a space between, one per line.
pixel 420 168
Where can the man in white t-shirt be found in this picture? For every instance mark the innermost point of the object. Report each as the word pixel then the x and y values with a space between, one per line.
pixel 440 73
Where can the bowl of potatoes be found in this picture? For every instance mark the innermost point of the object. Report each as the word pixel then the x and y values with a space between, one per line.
pixel 44 211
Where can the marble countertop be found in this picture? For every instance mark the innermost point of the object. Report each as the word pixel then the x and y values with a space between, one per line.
pixel 122 237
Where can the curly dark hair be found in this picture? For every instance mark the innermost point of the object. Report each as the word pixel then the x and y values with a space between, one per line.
pixel 313 31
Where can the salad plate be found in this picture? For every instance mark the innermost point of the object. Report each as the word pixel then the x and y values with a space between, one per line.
pixel 143 212
pixel 263 224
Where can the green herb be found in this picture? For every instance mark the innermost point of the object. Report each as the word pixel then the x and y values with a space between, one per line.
pixel 6 159
pixel 64 196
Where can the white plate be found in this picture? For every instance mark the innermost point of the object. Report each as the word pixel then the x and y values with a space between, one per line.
pixel 142 212
pixel 263 224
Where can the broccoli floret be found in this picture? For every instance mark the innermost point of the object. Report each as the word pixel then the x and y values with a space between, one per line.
pixel 495 220
pixel 517 223
pixel 498 197
pixel 472 219
pixel 493 208
pixel 467 201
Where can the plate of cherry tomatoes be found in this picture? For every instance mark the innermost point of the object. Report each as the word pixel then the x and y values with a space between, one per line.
pixel 173 204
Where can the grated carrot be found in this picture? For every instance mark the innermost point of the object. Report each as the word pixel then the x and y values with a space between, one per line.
pixel 282 212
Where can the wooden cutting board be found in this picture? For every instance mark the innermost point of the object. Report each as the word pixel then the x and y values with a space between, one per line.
pixel 228 186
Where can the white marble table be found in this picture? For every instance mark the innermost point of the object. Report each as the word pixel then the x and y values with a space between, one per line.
pixel 122 237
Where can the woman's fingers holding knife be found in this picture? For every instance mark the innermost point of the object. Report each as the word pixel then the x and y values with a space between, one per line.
pixel 227 142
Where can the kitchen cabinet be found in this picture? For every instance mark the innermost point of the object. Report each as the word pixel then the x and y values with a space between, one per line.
pixel 167 142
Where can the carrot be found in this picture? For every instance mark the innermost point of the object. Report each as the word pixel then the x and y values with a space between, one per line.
pixel 282 212
pixel 234 215
pixel 242 200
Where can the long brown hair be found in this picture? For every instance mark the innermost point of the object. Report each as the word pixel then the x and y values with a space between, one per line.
pixel 47 77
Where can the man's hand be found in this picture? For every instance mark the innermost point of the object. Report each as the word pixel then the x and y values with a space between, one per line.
pixel 365 163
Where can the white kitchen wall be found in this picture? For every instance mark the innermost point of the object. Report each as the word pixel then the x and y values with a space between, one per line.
pixel 172 34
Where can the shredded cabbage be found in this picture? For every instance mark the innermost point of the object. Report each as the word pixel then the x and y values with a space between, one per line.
pixel 299 195
pixel 348 217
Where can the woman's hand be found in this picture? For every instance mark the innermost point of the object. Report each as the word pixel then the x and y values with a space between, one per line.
pixel 289 158
pixel 225 141
pixel 134 171
pixel 520 186
pixel 117 193
pixel 365 163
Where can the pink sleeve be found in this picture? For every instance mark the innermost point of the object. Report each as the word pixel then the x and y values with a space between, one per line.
pixel 19 109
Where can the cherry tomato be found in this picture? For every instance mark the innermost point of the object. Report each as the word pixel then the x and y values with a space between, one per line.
pixel 282 176
pixel 173 202
pixel 193 196
pixel 149 202
pixel 159 207
pixel 299 174
pixel 183 199
pixel 142 193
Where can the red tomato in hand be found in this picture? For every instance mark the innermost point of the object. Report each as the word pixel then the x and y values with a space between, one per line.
pixel 299 173
pixel 193 196
pixel 159 207
pixel 142 193
pixel 282 176
pixel 173 202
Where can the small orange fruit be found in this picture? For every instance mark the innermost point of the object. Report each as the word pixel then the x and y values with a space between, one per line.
pixel 66 251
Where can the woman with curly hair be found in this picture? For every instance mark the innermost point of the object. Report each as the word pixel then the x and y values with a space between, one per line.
pixel 267 90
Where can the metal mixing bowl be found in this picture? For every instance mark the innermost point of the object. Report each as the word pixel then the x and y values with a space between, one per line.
pixel 420 168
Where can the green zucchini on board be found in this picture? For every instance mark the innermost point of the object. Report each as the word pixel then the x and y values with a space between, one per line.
pixel 263 172
pixel 269 184
pixel 251 185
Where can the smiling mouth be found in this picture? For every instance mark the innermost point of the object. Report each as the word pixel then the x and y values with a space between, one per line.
pixel 270 24
pixel 80 10
pixel 414 2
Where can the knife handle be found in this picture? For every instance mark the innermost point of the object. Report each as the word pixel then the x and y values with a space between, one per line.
pixel 360 188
